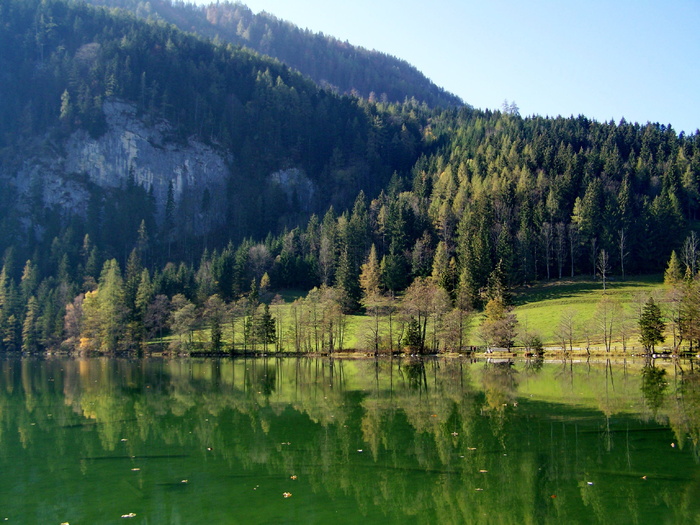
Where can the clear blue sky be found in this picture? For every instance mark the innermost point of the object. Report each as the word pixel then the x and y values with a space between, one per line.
pixel 636 59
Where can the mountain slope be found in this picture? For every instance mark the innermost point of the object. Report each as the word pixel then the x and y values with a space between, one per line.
pixel 63 64
pixel 328 61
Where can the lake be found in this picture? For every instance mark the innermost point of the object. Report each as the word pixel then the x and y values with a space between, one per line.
pixel 271 441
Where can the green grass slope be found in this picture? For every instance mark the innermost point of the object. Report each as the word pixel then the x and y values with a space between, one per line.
pixel 540 308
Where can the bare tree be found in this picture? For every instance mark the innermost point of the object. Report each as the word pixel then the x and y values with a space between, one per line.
pixel 586 330
pixel 603 266
pixel 259 260
pixel 625 326
pixel 547 239
pixel 560 246
pixel 690 252
pixel 156 316
pixel 326 260
pixel 594 254
pixel 573 242
pixel 455 329
pixel 566 330
pixel 606 316
pixel 673 311
pixel 622 245
pixel 498 328
pixel 422 301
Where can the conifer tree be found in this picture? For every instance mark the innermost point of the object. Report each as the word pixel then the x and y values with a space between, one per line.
pixel 105 312
pixel 30 342
pixel 441 273
pixel 370 276
pixel 674 273
pixel 651 325
pixel 265 328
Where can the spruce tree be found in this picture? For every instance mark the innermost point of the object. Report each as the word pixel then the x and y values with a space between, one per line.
pixel 651 325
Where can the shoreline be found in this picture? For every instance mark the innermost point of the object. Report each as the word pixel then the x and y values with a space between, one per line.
pixel 547 355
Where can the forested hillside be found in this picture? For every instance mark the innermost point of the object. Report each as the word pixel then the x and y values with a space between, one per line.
pixel 62 61
pixel 446 208
pixel 328 61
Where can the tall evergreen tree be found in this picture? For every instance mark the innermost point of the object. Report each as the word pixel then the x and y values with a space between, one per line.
pixel 651 325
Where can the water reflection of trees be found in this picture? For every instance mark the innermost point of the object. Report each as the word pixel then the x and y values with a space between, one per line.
pixel 653 387
pixel 432 434
pixel 685 412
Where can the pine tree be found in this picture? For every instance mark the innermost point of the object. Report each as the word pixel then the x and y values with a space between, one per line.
pixel 265 328
pixel 111 311
pixel 441 274
pixel 412 339
pixel 347 279
pixel 30 342
pixel 651 325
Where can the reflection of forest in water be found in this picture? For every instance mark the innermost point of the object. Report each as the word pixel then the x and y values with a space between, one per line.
pixel 448 440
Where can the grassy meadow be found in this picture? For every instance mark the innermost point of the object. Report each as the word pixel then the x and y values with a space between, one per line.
pixel 539 308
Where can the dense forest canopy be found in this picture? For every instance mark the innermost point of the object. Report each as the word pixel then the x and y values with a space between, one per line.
pixel 329 62
pixel 410 198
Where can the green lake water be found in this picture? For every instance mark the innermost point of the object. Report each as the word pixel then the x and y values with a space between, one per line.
pixel 273 441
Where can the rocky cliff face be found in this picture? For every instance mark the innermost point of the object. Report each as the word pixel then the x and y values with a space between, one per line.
pixel 65 172
pixel 129 148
